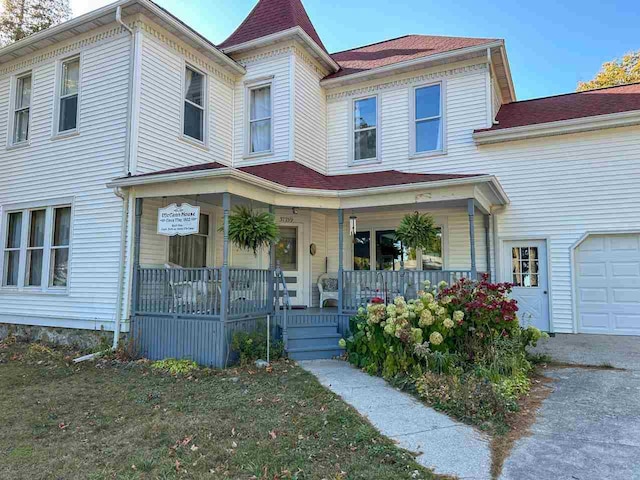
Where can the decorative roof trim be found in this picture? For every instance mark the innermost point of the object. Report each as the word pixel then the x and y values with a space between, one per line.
pixel 560 127
pixel 413 63
pixel 408 81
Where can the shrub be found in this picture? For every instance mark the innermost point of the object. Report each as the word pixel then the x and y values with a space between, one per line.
pixel 252 346
pixel 175 367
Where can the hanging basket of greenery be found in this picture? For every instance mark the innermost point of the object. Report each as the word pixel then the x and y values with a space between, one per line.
pixel 417 230
pixel 252 230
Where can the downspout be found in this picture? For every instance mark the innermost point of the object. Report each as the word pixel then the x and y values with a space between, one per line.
pixel 121 270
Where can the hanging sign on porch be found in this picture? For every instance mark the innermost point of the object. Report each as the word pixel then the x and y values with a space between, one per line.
pixel 180 220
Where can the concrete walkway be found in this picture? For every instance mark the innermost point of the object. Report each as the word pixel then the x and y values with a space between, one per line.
pixel 446 446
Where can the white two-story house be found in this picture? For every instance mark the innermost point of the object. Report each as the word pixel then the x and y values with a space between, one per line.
pixel 125 114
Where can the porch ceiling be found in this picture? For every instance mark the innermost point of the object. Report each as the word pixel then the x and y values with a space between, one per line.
pixel 303 187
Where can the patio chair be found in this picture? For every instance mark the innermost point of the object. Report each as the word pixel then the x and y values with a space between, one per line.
pixel 328 287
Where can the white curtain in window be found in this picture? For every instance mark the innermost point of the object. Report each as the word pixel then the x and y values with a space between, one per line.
pixel 260 119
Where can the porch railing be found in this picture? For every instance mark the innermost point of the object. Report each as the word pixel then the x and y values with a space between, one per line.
pixel 250 291
pixel 362 286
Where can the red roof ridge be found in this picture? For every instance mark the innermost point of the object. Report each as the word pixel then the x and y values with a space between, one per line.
pixel 268 17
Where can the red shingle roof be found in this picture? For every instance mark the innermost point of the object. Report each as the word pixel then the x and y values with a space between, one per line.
pixel 568 106
pixel 397 50
pixel 272 16
pixel 294 175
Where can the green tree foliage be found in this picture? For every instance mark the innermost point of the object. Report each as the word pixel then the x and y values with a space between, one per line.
pixel 20 18
pixel 615 72
pixel 252 230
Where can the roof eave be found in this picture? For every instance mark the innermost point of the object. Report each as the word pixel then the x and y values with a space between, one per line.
pixel 284 35
pixel 560 127
pixel 414 63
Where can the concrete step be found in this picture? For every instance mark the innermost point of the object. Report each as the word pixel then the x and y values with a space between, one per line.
pixel 307 331
pixel 327 339
pixel 315 353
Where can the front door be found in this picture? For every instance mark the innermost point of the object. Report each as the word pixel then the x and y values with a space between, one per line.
pixel 526 267
pixel 289 254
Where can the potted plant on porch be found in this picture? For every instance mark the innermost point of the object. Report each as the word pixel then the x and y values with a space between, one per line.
pixel 251 230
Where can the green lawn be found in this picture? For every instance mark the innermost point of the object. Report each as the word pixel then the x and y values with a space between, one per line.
pixel 110 420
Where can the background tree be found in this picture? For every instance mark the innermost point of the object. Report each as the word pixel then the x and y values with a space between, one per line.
pixel 615 72
pixel 20 18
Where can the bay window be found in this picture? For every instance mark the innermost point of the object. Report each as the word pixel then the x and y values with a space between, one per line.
pixel 260 119
pixel 365 130
pixel 194 104
pixel 22 108
pixel 68 97
pixel 427 121
pixel 36 247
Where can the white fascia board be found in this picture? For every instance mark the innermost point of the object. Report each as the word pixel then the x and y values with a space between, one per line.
pixel 561 127
pixel 413 63
pixel 229 172
pixel 283 36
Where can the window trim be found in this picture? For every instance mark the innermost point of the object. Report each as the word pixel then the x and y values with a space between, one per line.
pixel 26 208
pixel 352 133
pixel 11 123
pixel 413 153
pixel 205 107
pixel 249 87
pixel 56 133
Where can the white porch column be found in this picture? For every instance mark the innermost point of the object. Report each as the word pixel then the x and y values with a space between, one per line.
pixel 340 259
pixel 224 301
pixel 136 257
pixel 471 209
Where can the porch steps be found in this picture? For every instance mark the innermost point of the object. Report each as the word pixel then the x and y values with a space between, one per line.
pixel 312 342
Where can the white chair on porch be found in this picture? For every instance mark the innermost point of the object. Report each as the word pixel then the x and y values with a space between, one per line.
pixel 328 288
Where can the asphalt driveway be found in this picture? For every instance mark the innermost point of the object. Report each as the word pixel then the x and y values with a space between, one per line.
pixel 589 426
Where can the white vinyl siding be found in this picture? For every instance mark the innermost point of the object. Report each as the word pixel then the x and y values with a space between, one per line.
pixel 161 142
pixel 78 168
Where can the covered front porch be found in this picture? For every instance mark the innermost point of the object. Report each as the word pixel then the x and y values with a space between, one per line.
pixel 336 252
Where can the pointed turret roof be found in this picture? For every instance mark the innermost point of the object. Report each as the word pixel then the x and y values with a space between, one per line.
pixel 273 16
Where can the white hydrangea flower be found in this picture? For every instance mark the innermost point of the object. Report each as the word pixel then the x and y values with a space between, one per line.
pixel 426 318
pixel 436 338
pixel 458 315
pixel 448 323
pixel 442 285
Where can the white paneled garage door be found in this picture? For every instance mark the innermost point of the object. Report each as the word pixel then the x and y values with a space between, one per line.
pixel 608 284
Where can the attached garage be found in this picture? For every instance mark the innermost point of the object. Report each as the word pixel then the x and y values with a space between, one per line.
pixel 607 281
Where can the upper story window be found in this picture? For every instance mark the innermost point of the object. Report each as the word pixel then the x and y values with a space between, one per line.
pixel 428 132
pixel 365 128
pixel 194 104
pixel 36 247
pixel 69 91
pixel 260 119
pixel 22 107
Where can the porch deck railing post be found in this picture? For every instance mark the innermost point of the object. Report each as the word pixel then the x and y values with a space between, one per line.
pixel 224 301
pixel 340 261
pixel 471 209
pixel 135 294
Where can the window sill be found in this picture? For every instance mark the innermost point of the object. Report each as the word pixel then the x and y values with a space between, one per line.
pixel 18 146
pixel 63 135
pixel 435 153
pixel 33 291
pixel 368 161
pixel 193 142
pixel 251 156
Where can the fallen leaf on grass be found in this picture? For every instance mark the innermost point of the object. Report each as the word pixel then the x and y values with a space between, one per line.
pixel 273 435
pixel 62 426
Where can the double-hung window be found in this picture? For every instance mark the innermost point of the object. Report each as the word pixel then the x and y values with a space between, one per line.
pixel 427 128
pixel 365 129
pixel 260 119
pixel 22 107
pixel 194 104
pixel 36 247
pixel 69 91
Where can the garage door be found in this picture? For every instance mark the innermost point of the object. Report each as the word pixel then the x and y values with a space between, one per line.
pixel 608 284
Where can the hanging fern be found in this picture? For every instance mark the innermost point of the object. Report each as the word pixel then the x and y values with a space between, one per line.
pixel 251 230
pixel 417 230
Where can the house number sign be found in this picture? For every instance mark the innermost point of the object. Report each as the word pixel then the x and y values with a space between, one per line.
pixel 286 219
pixel 180 220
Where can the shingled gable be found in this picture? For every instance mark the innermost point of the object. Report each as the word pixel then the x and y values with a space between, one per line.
pixel 273 16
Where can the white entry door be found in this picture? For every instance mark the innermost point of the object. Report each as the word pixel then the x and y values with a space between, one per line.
pixel 290 255
pixel 526 267
pixel 607 273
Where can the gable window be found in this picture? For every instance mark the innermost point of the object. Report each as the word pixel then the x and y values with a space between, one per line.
pixel 365 121
pixel 36 247
pixel 260 119
pixel 428 119
pixel 194 110
pixel 22 109
pixel 69 90
pixel 190 251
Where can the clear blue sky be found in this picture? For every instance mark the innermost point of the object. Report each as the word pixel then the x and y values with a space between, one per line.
pixel 551 44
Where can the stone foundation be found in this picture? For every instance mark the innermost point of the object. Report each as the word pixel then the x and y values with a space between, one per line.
pixel 68 337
